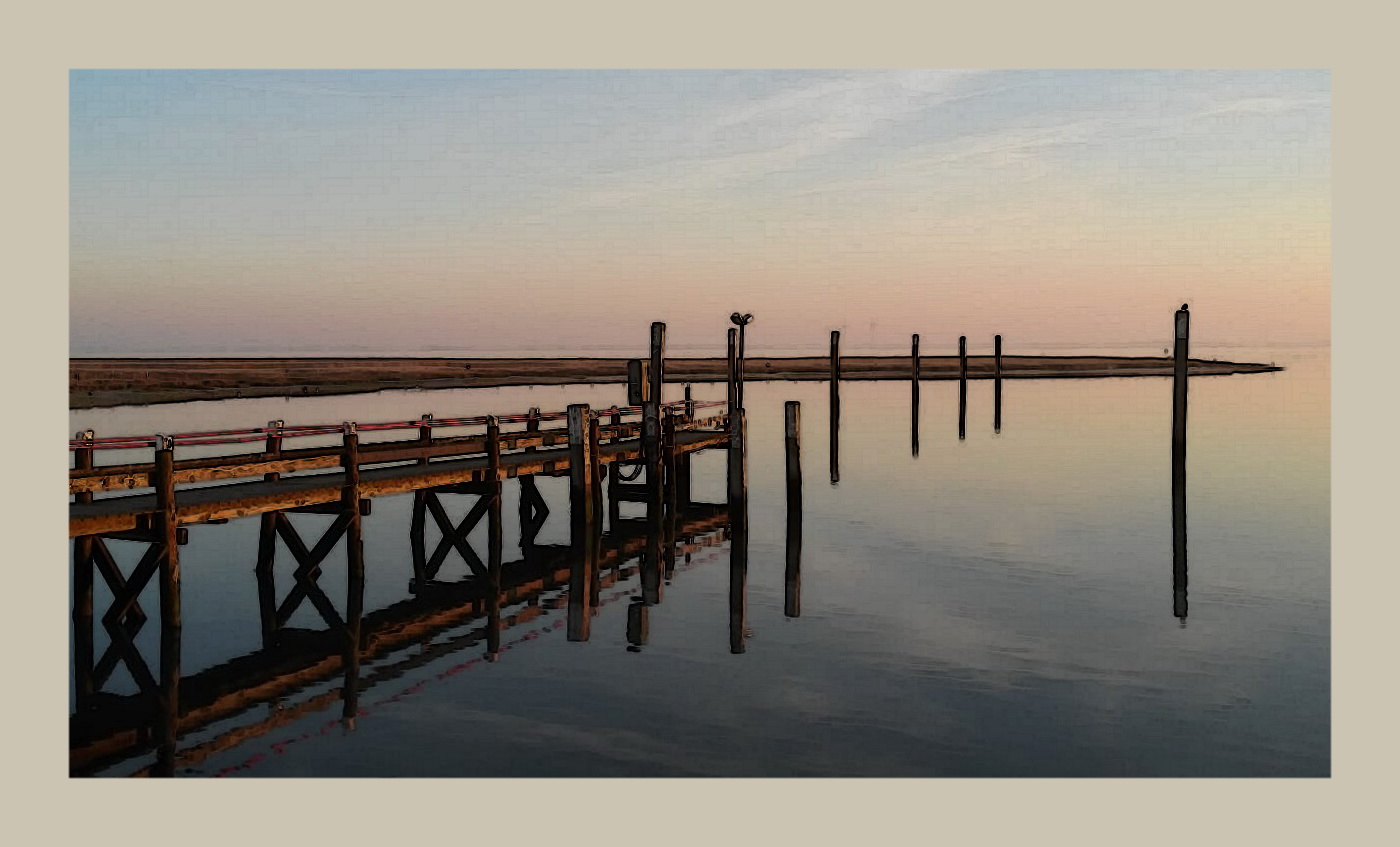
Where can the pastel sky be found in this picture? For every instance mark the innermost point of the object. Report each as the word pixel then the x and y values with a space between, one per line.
pixel 559 212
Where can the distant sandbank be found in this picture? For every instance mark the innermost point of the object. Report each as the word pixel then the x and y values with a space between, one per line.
pixel 96 383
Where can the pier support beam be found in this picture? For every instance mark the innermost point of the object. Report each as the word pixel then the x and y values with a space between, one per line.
pixel 792 574
pixel 165 527
pixel 581 521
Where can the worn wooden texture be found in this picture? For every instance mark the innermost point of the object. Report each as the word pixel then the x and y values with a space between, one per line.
pixel 166 522
pixel 1182 333
pixel 200 505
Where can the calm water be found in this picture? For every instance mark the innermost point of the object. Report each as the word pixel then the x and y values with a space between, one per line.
pixel 999 605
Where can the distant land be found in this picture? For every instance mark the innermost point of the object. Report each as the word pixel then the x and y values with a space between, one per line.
pixel 94 383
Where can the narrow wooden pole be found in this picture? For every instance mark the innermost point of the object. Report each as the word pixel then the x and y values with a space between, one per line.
pixel 733 376
pixel 614 507
pixel 914 399
pixel 355 577
pixel 418 522
pixel 494 536
pixel 595 534
pixel 996 417
pixel 962 387
pixel 84 687
pixel 267 545
pixel 166 524
pixel 651 411
pixel 1179 386
pixel 653 566
pixel 582 481
pixel 638 625
pixel 835 406
pixel 739 538
pixel 792 575
pixel 672 465
pixel 682 492
pixel 525 509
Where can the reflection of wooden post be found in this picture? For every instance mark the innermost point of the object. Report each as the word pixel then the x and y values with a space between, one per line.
pixel 835 406
pixel 355 578
pixel 582 482
pixel 996 419
pixel 494 540
pixel 82 587
pixel 739 541
pixel 1179 383
pixel 166 524
pixel 792 576
pixel 962 386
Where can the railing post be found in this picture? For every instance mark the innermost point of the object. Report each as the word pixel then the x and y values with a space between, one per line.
pixel 418 521
pixel 267 543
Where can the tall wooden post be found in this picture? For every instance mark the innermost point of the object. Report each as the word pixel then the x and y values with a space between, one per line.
pixel 682 487
pixel 651 408
pixel 733 374
pixel 962 386
pixel 835 406
pixel 355 577
pixel 914 398
pixel 996 418
pixel 671 461
pixel 739 539
pixel 528 491
pixel 494 540
pixel 1179 383
pixel 82 587
pixel 267 545
pixel 581 519
pixel 614 481
pixel 417 524
pixel 166 524
pixel 792 575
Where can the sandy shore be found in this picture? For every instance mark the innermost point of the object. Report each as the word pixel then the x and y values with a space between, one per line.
pixel 116 382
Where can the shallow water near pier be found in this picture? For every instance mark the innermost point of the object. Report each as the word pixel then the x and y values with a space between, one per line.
pixel 997 605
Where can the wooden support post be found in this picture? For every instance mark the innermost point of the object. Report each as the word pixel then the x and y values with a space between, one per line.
pixel 651 409
pixel 739 538
pixel 682 486
pixel 418 521
pixel 83 587
pixel 914 398
pixel 165 525
pixel 614 480
pixel 267 545
pixel 996 415
pixel 792 575
pixel 529 492
pixel 494 541
pixel 1179 385
pixel 355 565
pixel 581 521
pixel 962 387
pixel 638 625
pixel 835 406
pixel 732 374
pixel 671 467
pixel 654 566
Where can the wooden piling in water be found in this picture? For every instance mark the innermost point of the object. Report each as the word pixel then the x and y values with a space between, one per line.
pixel 732 360
pixel 651 414
pixel 582 482
pixel 355 578
pixel 682 487
pixel 962 387
pixel 996 416
pixel 834 406
pixel 418 521
pixel 83 586
pixel 914 398
pixel 792 574
pixel 1182 326
pixel 739 538
pixel 166 525
pixel 495 536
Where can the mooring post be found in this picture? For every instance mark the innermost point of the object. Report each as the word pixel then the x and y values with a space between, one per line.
pixel 739 539
pixel 962 387
pixel 835 406
pixel 996 417
pixel 682 486
pixel 166 525
pixel 792 575
pixel 267 542
pixel 733 372
pixel 1179 384
pixel 355 563
pixel 638 625
pixel 83 585
pixel 914 398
